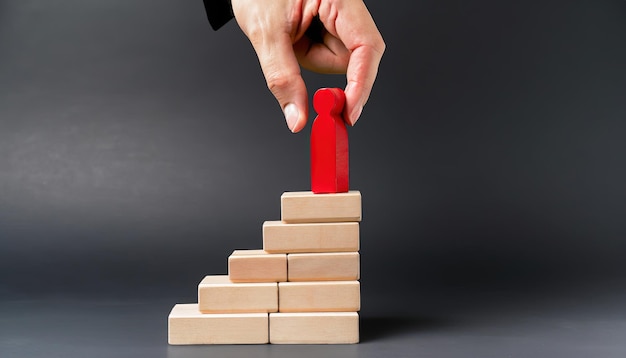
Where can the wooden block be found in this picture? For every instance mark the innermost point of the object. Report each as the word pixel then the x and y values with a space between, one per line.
pixel 333 266
pixel 329 143
pixel 314 328
pixel 257 266
pixel 279 237
pixel 322 296
pixel 304 206
pixel 186 325
pixel 217 294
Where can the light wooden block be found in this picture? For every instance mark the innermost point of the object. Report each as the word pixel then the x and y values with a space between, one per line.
pixel 257 266
pixel 280 237
pixel 217 294
pixel 314 328
pixel 186 325
pixel 304 206
pixel 333 266
pixel 322 296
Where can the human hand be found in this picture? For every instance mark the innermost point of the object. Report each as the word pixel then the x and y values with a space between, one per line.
pixel 350 44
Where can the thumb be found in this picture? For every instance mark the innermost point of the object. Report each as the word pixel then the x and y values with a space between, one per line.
pixel 282 74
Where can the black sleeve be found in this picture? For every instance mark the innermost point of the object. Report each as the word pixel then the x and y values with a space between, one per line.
pixel 219 12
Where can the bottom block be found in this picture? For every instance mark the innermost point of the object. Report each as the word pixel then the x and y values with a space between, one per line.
pixel 186 325
pixel 314 328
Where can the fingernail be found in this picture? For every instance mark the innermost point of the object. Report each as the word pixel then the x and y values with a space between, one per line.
pixel 291 115
pixel 356 113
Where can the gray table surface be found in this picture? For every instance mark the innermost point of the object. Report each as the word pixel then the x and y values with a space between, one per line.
pixel 580 322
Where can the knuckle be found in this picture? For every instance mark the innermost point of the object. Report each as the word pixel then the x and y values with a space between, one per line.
pixel 278 82
pixel 379 44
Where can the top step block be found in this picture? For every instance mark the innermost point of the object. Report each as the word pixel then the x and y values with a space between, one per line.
pixel 307 207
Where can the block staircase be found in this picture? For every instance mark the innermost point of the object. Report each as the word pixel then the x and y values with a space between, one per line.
pixel 301 288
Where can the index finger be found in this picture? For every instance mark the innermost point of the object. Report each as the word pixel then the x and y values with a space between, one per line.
pixel 356 29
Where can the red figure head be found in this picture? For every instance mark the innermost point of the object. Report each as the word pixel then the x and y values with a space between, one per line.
pixel 329 101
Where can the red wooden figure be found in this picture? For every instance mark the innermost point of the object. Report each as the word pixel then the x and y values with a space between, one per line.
pixel 329 143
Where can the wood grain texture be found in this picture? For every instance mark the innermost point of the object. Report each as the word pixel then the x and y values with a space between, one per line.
pixel 280 237
pixel 186 325
pixel 322 296
pixel 314 328
pixel 333 266
pixel 307 207
pixel 257 266
pixel 217 294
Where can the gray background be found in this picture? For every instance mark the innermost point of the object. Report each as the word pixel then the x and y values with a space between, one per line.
pixel 138 148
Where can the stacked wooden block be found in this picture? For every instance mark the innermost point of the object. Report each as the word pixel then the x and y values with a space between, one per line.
pixel 302 288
